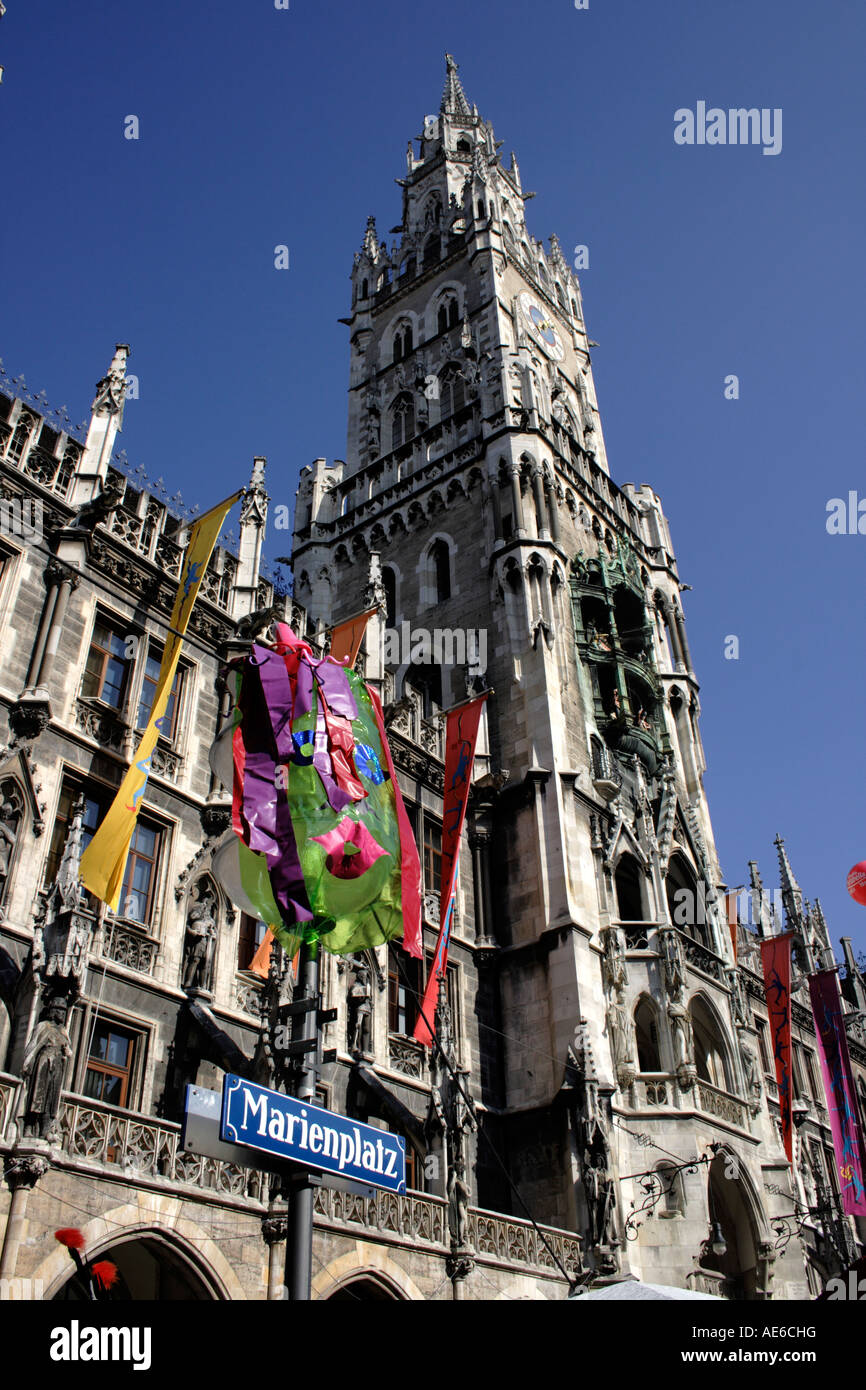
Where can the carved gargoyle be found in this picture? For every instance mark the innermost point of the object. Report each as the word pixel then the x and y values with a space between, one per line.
pixel 100 507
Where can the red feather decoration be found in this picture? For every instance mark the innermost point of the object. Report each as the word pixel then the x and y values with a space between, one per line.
pixel 105 1273
pixel 70 1237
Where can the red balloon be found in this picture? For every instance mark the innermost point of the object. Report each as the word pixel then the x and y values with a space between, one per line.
pixel 857 883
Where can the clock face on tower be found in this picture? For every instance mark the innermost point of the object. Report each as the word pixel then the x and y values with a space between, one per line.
pixel 541 327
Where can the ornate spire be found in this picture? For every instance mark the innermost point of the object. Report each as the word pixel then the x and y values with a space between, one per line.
pixel 759 908
pixel 792 897
pixel 111 390
pixel 454 101
pixel 370 243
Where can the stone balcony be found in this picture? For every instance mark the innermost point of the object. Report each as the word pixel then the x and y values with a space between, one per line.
pixel 104 1141
pixel 663 1091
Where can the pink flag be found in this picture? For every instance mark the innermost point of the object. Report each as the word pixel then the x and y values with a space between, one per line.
pixel 839 1090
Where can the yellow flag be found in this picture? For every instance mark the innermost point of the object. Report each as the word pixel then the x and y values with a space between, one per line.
pixel 103 863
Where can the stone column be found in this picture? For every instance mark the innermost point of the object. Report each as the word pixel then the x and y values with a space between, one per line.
pixel 68 583
pixel 552 510
pixel 53 576
pixel 274 1231
pixel 682 639
pixel 479 843
pixel 493 481
pixel 516 499
pixel 22 1170
pixel 538 494
pixel 673 631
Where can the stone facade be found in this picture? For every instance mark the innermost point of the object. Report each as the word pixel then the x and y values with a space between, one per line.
pixel 600 1020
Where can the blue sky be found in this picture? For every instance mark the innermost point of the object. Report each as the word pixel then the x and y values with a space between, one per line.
pixel 261 126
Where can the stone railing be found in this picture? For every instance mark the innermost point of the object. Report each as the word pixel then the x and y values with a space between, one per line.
pixel 142 1146
pixel 248 996
pixel 637 934
pixel 715 1102
pixel 166 763
pixel 406 1055
pixel 508 1241
pixel 701 958
pixel 709 1281
pixel 8 1095
pixel 128 947
pixel 653 1092
pixel 101 723
pixel 53 473
pixel 420 1221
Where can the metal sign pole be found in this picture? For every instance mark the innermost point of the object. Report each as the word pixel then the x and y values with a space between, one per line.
pixel 305 1034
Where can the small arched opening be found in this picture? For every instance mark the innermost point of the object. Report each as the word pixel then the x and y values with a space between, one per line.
pixel 646 1028
pixel 629 895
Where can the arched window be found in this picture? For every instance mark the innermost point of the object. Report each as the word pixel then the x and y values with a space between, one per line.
pixel 509 234
pixel 402 342
pixel 560 294
pixel 710 1052
pixel 447 316
pixel 389 584
pixel 364 289
pixel 452 391
pixel 647 1035
pixel 426 681
pixel 628 890
pixel 432 250
pixel 440 570
pixel 480 207
pixel 402 420
pixel 686 899
pixel 463 145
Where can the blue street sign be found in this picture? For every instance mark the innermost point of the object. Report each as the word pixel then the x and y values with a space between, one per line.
pixel 288 1128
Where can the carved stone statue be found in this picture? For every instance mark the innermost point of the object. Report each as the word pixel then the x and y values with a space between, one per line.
pixel 681 1030
pixel 100 507
pixel 739 1008
pixel 44 1070
pixel 674 966
pixel 10 815
pixel 254 624
pixel 360 999
pixel 198 951
pixel 458 1204
pixel 621 1036
pixel 600 1197
pixel 752 1075
pixel 615 968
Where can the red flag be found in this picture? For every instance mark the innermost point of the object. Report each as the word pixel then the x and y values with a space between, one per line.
pixel 776 962
pixel 346 637
pixel 461 735
pixel 410 864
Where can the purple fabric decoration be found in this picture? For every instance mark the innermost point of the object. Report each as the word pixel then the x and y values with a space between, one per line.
pixel 265 808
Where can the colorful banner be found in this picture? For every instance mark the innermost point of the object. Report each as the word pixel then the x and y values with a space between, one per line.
pixel 103 863
pixel 776 962
pixel 346 637
pixel 839 1090
pixel 322 847
pixel 461 735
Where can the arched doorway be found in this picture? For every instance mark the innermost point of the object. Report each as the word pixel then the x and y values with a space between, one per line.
pixel 366 1289
pixel 731 1253
pixel 149 1268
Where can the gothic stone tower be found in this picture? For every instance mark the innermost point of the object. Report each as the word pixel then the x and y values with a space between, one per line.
pixel 591 943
